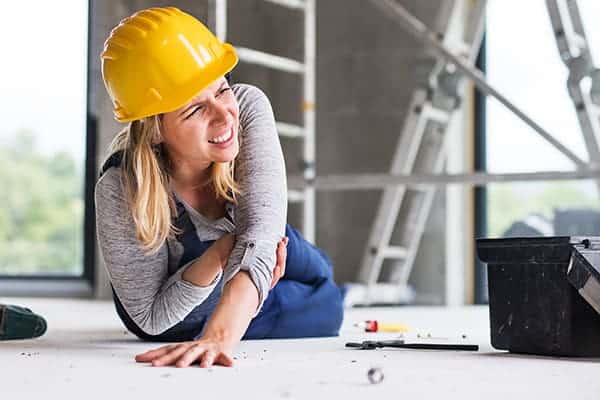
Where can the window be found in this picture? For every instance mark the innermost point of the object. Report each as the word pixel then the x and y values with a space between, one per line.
pixel 523 62
pixel 43 86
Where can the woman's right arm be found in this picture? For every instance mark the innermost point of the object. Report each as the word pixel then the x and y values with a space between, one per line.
pixel 153 300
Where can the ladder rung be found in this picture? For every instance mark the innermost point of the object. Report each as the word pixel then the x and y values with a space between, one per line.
pixel 593 110
pixel 298 4
pixel 420 188
pixel 295 196
pixel 289 130
pixel 436 114
pixel 270 60
pixel 396 252
pixel 463 48
pixel 361 294
pixel 579 41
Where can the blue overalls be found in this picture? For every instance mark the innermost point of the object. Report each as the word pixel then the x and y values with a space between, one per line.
pixel 306 302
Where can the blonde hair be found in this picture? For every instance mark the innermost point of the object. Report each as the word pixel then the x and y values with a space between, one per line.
pixel 145 177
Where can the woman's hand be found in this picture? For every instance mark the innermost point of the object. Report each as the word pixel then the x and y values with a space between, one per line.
pixel 222 248
pixel 206 268
pixel 281 253
pixel 206 351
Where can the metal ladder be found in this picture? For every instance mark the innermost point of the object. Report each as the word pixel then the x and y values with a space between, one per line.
pixel 420 149
pixel 305 69
pixel 575 52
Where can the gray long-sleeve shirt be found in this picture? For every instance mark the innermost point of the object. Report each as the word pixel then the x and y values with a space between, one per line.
pixel 156 301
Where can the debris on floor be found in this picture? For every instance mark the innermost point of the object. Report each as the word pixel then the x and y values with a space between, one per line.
pixel 375 375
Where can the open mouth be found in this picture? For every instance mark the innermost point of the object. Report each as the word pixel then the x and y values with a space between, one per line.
pixel 224 139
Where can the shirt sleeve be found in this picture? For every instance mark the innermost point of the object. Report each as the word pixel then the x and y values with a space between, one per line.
pixel 261 209
pixel 153 300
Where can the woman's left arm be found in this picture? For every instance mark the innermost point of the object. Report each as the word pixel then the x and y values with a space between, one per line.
pixel 223 331
pixel 261 210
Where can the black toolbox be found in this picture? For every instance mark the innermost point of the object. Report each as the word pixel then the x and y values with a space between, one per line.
pixel 544 294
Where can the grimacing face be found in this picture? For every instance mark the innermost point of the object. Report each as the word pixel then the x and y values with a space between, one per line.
pixel 206 128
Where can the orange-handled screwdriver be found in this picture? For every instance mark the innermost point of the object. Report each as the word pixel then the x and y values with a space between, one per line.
pixel 375 326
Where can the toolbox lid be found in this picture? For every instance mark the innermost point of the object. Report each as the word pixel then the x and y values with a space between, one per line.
pixel 582 253
pixel 583 272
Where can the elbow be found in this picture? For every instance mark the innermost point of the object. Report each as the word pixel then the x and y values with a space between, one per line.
pixel 261 278
pixel 144 323
pixel 150 328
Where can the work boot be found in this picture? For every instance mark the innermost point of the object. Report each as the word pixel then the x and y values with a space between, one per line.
pixel 20 323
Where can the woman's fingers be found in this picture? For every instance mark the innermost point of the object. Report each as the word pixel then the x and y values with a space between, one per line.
pixel 170 357
pixel 285 255
pixel 283 251
pixel 208 358
pixel 276 276
pixel 279 269
pixel 190 356
pixel 152 354
pixel 185 354
pixel 224 359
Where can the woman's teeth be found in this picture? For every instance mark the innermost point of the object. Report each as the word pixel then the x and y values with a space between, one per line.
pixel 222 138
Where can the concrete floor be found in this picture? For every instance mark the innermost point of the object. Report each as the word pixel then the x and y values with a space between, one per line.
pixel 86 353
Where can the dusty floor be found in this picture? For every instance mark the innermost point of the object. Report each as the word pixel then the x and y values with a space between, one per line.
pixel 87 354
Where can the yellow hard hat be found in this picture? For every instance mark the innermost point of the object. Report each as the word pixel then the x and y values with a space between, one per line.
pixel 158 59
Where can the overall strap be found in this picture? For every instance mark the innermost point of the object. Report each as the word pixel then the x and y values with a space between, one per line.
pixel 193 247
pixel 114 160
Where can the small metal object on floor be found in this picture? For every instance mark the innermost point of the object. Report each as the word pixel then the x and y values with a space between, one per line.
pixel 375 375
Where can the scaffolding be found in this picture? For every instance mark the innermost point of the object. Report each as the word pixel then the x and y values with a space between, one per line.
pixel 305 69
pixel 574 50
pixel 453 68
pixel 431 114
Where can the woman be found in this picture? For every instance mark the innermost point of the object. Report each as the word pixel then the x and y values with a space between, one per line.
pixel 192 247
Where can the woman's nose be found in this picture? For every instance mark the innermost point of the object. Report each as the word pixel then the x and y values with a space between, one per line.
pixel 220 114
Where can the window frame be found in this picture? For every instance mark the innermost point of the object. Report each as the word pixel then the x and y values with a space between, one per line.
pixel 44 285
pixel 480 193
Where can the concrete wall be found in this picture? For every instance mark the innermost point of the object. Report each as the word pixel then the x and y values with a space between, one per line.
pixel 366 69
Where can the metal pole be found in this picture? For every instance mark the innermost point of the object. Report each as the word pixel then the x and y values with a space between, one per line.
pixel 420 32
pixel 217 18
pixel 308 107
pixel 380 181
pixel 221 19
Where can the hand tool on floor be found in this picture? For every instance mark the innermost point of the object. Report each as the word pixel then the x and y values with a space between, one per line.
pixel 376 326
pixel 374 344
pixel 20 323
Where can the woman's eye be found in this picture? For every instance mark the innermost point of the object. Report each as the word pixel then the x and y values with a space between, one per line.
pixel 224 90
pixel 199 108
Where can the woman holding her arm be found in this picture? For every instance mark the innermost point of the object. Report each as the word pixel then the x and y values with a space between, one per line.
pixel 195 248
